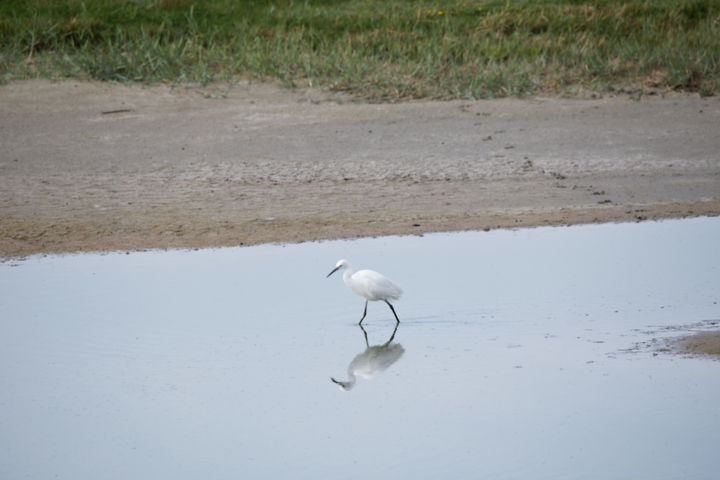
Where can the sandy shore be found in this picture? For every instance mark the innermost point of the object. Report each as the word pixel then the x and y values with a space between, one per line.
pixel 95 166
pixel 706 343
pixel 699 339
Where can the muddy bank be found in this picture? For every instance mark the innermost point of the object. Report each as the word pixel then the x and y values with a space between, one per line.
pixel 702 338
pixel 705 343
pixel 94 166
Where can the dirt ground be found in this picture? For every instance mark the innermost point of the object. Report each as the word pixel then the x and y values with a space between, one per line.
pixel 706 343
pixel 699 339
pixel 97 166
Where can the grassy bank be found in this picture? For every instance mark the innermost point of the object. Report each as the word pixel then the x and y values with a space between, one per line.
pixel 383 49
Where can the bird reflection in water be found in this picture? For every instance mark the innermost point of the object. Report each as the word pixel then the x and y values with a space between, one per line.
pixel 372 361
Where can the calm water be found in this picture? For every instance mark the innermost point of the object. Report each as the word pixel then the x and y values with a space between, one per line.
pixel 510 361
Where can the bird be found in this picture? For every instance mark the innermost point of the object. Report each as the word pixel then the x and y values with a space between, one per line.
pixel 369 284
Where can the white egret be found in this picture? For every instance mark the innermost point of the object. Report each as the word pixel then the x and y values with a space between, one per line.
pixel 370 285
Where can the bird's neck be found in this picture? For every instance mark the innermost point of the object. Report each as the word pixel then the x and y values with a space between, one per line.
pixel 347 274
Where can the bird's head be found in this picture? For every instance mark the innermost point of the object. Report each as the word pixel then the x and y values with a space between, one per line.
pixel 340 265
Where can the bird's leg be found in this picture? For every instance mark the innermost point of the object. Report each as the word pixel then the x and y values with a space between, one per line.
pixel 364 313
pixel 391 308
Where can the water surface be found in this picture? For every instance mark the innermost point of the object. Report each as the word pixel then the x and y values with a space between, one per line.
pixel 511 360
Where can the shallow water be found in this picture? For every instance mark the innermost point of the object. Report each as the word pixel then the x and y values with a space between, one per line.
pixel 511 360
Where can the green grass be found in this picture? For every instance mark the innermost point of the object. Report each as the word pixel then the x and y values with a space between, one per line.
pixel 380 49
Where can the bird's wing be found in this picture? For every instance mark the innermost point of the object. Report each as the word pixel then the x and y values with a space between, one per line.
pixel 375 286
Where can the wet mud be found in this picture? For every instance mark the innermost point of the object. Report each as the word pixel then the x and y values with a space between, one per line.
pixel 97 166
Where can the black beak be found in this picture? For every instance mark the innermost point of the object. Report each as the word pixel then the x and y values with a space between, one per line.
pixel 333 271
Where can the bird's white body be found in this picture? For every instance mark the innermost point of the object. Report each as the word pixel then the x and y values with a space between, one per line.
pixel 370 285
